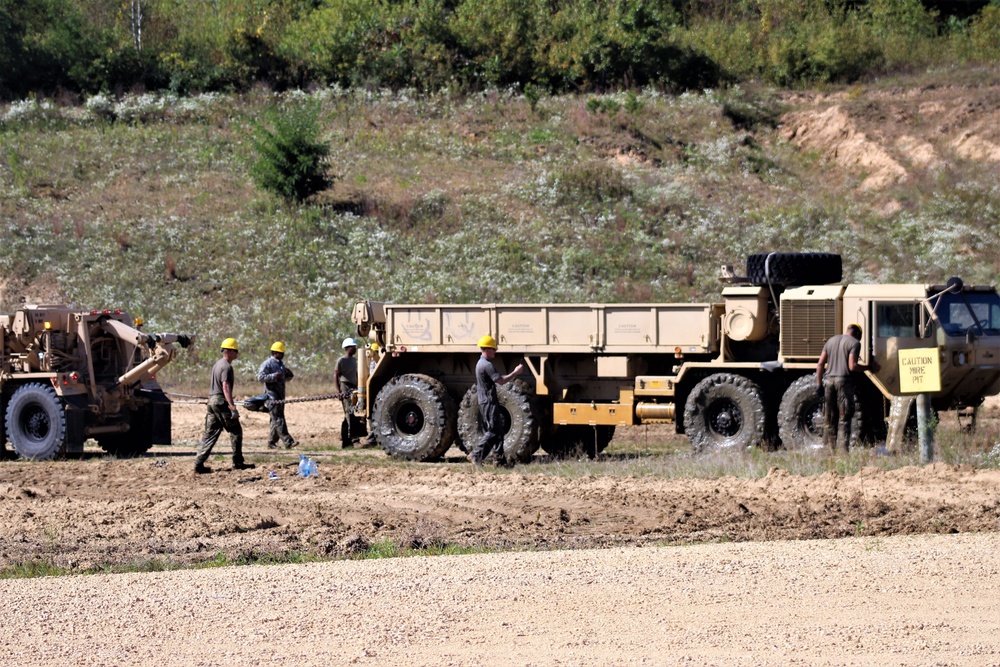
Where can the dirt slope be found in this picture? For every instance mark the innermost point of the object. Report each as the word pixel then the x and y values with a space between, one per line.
pixel 887 137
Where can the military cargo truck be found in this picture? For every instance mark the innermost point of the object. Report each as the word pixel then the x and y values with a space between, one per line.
pixel 68 374
pixel 734 373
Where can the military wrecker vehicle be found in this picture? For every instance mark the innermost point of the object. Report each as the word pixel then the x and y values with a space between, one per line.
pixel 734 373
pixel 67 375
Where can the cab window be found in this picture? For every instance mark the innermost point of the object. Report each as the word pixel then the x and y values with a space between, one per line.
pixel 973 311
pixel 898 320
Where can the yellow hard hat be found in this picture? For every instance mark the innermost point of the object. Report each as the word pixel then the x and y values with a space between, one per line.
pixel 230 344
pixel 488 341
pixel 373 347
pixel 278 347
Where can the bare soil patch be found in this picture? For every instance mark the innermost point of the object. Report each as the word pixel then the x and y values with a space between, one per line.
pixel 94 511
pixel 889 137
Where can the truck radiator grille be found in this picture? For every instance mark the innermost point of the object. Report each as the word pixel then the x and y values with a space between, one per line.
pixel 806 326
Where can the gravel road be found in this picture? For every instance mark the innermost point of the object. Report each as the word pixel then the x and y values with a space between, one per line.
pixel 905 600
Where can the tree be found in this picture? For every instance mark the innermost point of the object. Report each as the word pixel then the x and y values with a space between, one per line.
pixel 291 161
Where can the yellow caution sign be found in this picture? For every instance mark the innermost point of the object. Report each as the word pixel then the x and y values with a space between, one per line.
pixel 919 371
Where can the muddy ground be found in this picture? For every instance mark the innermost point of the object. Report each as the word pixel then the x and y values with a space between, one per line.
pixel 95 511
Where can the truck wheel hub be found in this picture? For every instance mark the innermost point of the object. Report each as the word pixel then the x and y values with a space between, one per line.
pixel 36 424
pixel 410 420
pixel 726 419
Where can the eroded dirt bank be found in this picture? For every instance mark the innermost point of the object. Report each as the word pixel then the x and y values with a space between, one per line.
pixel 86 513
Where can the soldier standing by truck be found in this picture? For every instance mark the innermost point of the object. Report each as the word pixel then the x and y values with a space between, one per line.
pixel 222 413
pixel 274 374
pixel 345 376
pixel 487 380
pixel 841 355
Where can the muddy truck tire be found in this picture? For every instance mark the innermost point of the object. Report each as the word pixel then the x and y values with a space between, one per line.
pixel 414 418
pixel 36 422
pixel 520 421
pixel 800 417
pixel 724 411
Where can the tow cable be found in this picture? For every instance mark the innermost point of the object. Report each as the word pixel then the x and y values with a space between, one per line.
pixel 261 403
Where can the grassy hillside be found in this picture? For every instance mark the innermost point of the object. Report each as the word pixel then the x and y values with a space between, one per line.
pixel 488 197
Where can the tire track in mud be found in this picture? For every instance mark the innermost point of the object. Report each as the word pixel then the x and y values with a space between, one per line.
pixel 87 513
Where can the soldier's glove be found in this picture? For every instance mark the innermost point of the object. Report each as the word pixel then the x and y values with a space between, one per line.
pixel 819 390
pixel 234 415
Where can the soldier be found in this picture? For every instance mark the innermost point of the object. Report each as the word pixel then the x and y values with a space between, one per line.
pixel 345 376
pixel 841 354
pixel 375 353
pixel 274 374
pixel 487 379
pixel 222 413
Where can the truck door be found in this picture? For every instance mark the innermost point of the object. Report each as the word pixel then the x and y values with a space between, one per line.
pixel 895 326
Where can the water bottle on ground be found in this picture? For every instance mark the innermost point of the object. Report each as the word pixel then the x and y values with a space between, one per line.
pixel 303 465
pixel 312 470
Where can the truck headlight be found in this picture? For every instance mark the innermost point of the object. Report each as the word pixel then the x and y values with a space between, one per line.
pixel 959 358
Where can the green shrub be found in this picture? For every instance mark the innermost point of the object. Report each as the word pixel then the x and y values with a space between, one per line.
pixel 290 158
pixel 593 181
pixel 826 47
pixel 497 38
pixel 984 34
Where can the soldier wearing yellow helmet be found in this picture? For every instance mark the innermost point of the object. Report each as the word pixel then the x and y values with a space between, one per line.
pixel 222 413
pixel 487 380
pixel 274 374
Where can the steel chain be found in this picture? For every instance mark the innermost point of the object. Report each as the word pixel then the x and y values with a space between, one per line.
pixel 323 397
pixel 305 399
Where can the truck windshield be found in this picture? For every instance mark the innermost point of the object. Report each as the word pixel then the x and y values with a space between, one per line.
pixel 957 318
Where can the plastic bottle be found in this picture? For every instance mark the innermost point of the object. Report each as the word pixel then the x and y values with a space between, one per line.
pixel 303 465
pixel 313 469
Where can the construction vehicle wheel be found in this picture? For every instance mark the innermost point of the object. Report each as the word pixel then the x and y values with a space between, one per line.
pixel 800 417
pixel 519 415
pixel 575 441
pixel 724 411
pixel 794 268
pixel 36 422
pixel 470 427
pixel 414 418
pixel 137 440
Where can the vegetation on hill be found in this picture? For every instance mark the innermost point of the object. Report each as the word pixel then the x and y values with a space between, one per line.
pixel 147 203
pixel 92 46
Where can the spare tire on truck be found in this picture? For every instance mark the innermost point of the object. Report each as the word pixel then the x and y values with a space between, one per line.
pixel 414 418
pixel 36 422
pixel 518 413
pixel 794 268
pixel 800 417
pixel 724 411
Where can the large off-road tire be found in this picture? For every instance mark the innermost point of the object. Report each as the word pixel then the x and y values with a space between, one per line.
pixel 414 418
pixel 4 453
pixel 36 422
pixel 724 411
pixel 800 417
pixel 137 440
pixel 795 268
pixel 520 421
pixel 574 441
